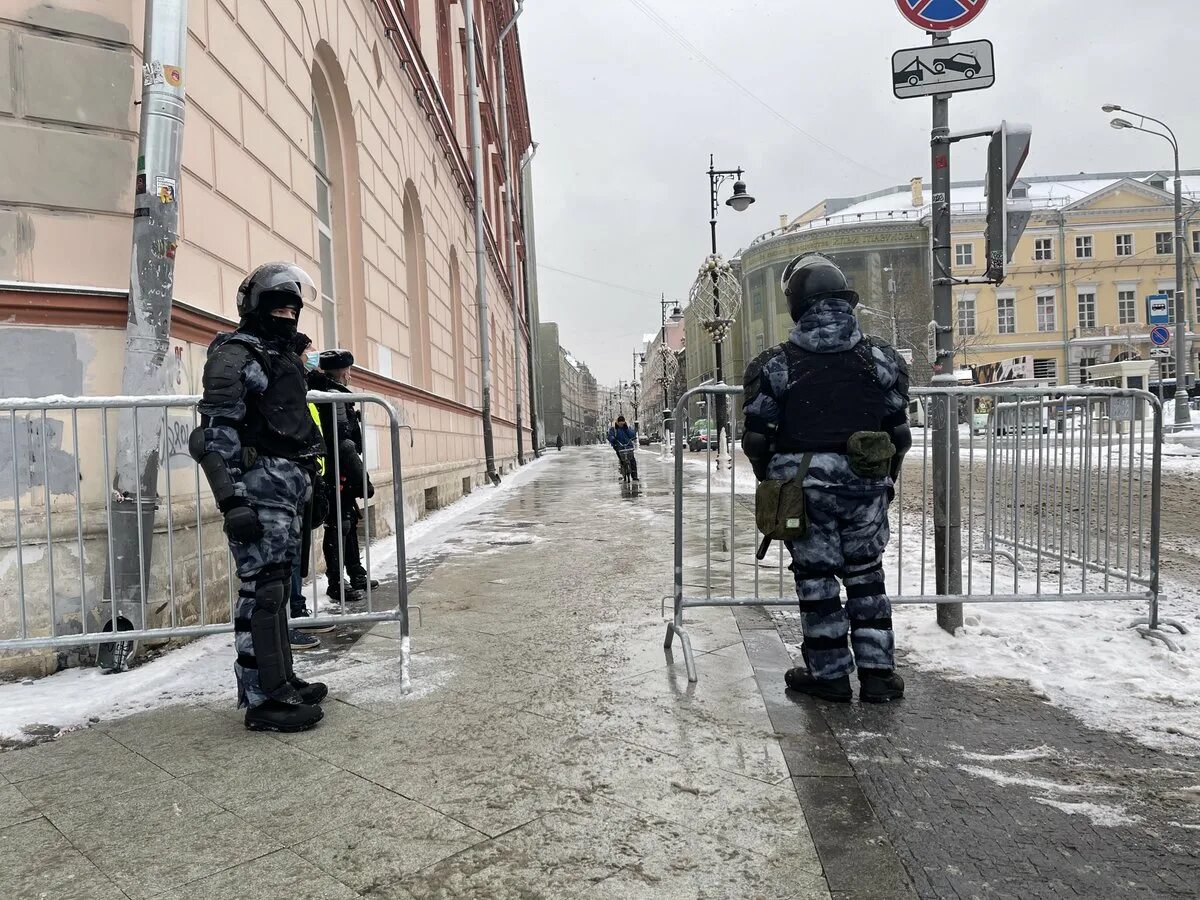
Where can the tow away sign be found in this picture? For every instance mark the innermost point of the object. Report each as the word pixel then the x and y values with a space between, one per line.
pixel 943 69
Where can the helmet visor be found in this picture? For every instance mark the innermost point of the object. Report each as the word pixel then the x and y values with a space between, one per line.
pixel 279 278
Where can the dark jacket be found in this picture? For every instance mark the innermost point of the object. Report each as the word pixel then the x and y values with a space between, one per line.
pixel 352 477
pixel 622 438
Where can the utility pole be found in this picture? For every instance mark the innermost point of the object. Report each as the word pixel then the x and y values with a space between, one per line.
pixel 481 301
pixel 635 391
pixel 947 514
pixel 148 329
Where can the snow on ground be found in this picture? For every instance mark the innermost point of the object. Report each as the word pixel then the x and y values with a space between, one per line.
pixel 202 671
pixel 1081 656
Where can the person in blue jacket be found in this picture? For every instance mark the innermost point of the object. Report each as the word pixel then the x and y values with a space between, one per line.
pixel 624 438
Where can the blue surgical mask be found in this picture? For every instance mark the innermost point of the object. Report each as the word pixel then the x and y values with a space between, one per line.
pixel 312 359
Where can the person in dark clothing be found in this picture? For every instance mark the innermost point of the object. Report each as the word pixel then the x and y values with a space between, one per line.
pixel 558 443
pixel 830 406
pixel 341 424
pixel 258 446
pixel 624 440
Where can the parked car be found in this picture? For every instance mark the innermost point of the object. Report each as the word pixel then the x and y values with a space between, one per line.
pixel 644 439
pixel 702 436
pixel 959 62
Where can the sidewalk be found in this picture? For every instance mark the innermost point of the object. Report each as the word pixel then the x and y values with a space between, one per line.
pixel 547 749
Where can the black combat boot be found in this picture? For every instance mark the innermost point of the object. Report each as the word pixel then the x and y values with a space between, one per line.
pixel 311 693
pixel 359 582
pixel 879 686
pixel 352 595
pixel 836 690
pixel 275 715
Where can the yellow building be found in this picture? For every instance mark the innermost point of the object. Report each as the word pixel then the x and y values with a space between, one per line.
pixel 1096 247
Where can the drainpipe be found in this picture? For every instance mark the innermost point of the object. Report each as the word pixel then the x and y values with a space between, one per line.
pixel 148 330
pixel 1065 378
pixel 509 227
pixel 481 302
pixel 533 351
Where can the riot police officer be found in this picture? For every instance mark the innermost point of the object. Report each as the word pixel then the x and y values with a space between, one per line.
pixel 257 444
pixel 829 406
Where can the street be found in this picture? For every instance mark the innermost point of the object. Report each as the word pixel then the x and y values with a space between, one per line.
pixel 549 749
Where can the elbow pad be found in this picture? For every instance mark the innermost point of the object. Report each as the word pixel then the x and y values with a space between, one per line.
pixel 902 439
pixel 756 446
pixel 215 470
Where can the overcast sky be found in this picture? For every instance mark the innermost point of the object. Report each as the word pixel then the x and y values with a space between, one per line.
pixel 626 117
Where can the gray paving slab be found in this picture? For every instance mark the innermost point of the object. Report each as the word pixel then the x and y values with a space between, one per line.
pixel 37 861
pixel 550 748
pixel 281 875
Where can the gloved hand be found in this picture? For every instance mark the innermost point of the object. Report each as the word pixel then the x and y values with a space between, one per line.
pixel 370 488
pixel 891 495
pixel 320 501
pixel 242 524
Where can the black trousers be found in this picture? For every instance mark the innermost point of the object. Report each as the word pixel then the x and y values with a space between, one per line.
pixel 351 560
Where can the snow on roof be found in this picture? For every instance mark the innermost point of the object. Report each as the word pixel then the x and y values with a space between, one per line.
pixel 650 338
pixel 1047 192
pixel 571 361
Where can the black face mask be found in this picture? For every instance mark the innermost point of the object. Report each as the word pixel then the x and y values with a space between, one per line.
pixel 277 328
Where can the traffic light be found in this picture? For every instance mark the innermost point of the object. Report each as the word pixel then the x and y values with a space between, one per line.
pixel 1006 219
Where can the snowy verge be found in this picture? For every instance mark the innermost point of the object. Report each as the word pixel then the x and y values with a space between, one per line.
pixel 202 670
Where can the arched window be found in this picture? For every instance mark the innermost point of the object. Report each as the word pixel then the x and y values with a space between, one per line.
pixel 324 229
pixel 338 214
pixel 417 289
pixel 457 343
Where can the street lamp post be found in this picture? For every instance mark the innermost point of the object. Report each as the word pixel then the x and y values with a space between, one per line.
pixel 740 201
pixel 664 377
pixel 1183 418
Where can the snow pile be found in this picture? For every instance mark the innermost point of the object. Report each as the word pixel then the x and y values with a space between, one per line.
pixel 202 671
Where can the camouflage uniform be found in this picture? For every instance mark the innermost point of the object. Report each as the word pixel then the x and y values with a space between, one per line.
pixel 848 526
pixel 278 490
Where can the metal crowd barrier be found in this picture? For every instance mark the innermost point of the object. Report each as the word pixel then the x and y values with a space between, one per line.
pixel 59 504
pixel 1058 500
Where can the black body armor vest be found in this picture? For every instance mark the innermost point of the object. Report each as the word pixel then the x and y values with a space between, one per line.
pixel 830 397
pixel 278 422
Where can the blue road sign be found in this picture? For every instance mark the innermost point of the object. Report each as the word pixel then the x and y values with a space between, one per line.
pixel 1160 336
pixel 1158 311
pixel 940 15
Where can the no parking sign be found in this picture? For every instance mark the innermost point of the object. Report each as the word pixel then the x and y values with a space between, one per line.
pixel 940 15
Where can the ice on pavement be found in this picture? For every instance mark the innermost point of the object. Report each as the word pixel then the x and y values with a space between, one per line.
pixel 202 671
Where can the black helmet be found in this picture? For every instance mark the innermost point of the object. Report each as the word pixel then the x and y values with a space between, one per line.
pixel 812 277
pixel 274 285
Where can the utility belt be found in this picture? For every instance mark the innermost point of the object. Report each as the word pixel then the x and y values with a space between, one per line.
pixel 251 453
pixel 779 507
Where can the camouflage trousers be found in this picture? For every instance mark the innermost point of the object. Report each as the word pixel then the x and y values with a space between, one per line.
pixel 278 489
pixel 846 538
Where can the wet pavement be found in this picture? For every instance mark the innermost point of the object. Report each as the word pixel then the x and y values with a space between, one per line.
pixel 549 748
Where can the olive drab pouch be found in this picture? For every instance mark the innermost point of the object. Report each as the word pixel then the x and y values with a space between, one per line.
pixel 870 453
pixel 779 509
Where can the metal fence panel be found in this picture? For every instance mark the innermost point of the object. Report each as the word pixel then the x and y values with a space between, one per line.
pixel 1058 500
pixel 55 503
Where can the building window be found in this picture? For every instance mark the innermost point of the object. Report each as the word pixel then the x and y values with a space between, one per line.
pixel 1126 307
pixel 1124 245
pixel 1087 309
pixel 1043 249
pixel 966 315
pixel 416 283
pixel 1164 243
pixel 324 228
pixel 1046 370
pixel 1196 241
pixel 759 344
pixel 1045 313
pixel 756 304
pixel 1006 315
pixel 1083 247
pixel 1085 364
pixel 964 254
